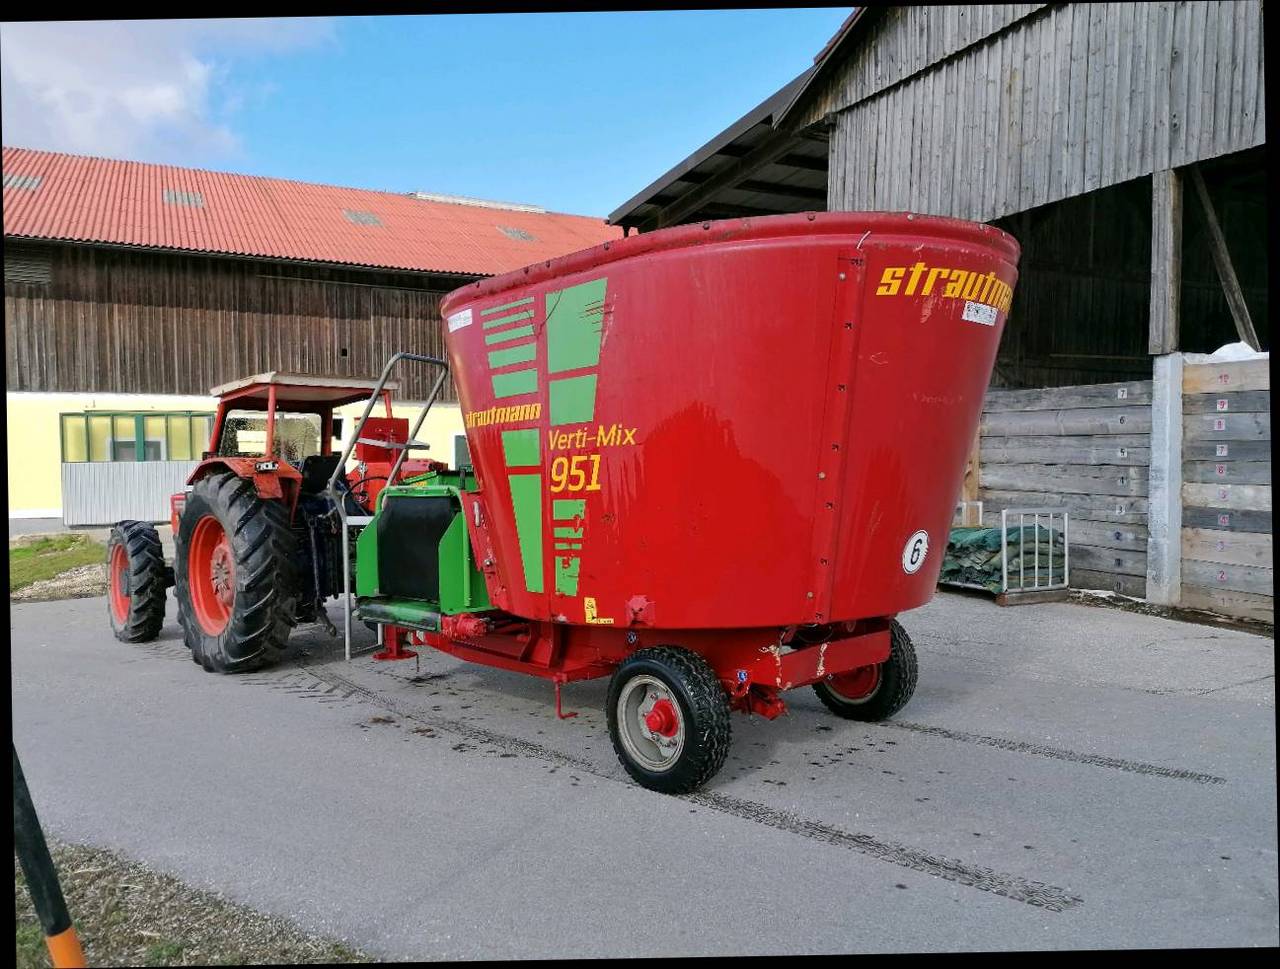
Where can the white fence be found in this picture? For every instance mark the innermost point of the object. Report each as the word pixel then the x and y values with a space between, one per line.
pixel 105 492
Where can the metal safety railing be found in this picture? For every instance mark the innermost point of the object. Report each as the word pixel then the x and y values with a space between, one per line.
pixel 349 522
pixel 1050 515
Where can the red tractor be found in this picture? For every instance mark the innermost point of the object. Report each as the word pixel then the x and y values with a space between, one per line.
pixel 258 534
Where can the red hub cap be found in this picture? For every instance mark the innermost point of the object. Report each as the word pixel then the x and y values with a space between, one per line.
pixel 118 569
pixel 857 684
pixel 211 575
pixel 662 719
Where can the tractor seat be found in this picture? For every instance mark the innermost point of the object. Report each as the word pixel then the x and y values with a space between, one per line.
pixel 316 471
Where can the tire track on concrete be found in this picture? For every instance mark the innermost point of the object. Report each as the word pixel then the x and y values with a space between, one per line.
pixel 1035 893
pixel 1057 753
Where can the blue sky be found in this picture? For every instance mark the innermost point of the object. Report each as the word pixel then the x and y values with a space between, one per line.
pixel 575 112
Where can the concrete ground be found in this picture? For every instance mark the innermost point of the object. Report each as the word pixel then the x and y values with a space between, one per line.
pixel 1065 777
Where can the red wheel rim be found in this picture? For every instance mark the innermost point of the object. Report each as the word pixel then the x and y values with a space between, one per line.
pixel 857 684
pixel 211 575
pixel 118 569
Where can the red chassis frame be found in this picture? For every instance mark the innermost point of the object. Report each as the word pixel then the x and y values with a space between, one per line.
pixel 755 665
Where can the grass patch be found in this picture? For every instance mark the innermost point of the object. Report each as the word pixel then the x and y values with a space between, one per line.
pixel 50 555
pixel 128 915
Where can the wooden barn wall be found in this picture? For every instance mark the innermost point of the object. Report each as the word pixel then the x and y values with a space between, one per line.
pixel 1080 308
pixel 1226 489
pixel 1065 101
pixel 1086 449
pixel 895 42
pixel 122 321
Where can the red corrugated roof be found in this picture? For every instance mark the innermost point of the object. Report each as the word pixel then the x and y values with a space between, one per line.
pixel 81 199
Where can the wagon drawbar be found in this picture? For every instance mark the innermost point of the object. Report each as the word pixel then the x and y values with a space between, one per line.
pixel 712 463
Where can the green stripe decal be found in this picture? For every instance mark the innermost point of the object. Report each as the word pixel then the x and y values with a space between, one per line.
pixel 526 502
pixel 567 509
pixel 567 575
pixel 515 383
pixel 569 545
pixel 521 354
pixel 506 306
pixel 521 448
pixel 501 320
pixel 562 532
pixel 573 399
pixel 575 317
pixel 506 336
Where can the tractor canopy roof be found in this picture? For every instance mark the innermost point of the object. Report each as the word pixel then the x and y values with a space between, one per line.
pixel 299 390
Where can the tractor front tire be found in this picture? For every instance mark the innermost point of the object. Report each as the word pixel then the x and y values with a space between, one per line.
pixel 874 692
pixel 136 582
pixel 234 573
pixel 668 719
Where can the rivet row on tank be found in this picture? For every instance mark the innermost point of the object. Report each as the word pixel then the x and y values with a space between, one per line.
pixel 821 475
pixel 841 276
pixel 808 595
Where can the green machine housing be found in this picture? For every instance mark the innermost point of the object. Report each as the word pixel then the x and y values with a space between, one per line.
pixel 414 561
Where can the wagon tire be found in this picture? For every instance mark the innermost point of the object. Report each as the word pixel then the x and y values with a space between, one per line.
pixel 136 581
pixel 234 573
pixel 668 719
pixel 878 692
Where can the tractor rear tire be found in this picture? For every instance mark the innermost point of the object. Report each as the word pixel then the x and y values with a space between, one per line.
pixel 874 692
pixel 234 571
pixel 668 719
pixel 136 581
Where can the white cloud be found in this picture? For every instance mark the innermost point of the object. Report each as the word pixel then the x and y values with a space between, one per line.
pixel 157 90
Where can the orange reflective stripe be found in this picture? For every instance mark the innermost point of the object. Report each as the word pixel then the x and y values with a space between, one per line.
pixel 65 950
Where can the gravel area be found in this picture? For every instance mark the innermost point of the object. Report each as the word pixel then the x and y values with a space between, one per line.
pixel 129 915
pixel 82 582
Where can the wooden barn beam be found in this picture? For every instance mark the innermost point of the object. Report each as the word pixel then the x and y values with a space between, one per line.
pixel 1166 261
pixel 728 177
pixel 1222 262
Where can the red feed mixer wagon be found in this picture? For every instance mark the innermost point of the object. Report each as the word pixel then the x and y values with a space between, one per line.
pixel 715 461
pixel 712 463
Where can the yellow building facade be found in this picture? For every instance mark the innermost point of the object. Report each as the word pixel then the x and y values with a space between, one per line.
pixel 45 430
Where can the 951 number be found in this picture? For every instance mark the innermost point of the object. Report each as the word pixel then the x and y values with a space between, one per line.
pixel 579 473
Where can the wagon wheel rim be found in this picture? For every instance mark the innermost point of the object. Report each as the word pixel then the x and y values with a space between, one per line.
pixel 651 724
pixel 211 575
pixel 856 686
pixel 118 568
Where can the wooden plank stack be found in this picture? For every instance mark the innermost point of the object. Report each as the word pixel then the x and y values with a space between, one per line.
pixel 1086 449
pixel 1226 489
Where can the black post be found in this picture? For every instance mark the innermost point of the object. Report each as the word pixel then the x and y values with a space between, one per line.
pixel 41 876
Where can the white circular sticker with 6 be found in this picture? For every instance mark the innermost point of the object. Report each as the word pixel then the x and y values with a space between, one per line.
pixel 913 553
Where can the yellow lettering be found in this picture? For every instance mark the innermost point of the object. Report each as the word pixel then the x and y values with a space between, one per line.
pixel 956 283
pixel 890 281
pixel 916 270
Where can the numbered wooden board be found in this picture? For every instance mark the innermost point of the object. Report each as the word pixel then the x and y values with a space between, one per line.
pixel 1226 491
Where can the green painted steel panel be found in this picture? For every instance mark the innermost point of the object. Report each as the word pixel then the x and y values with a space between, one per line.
pixel 573 399
pixel 462 587
pixel 524 353
pixel 526 502
pixel 562 532
pixel 511 318
pixel 507 306
pixel 506 336
pixel 567 575
pixel 367 558
pixel 521 448
pixel 567 509
pixel 516 383
pixel 574 320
